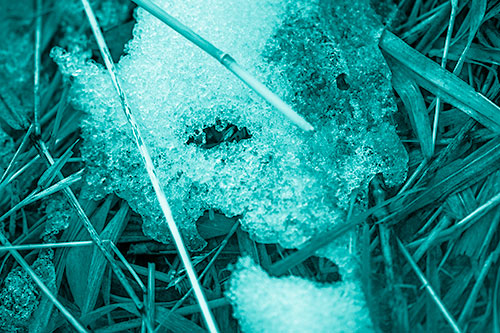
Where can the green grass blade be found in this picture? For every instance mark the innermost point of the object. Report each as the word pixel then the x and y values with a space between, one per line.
pixel 441 82
pixel 160 194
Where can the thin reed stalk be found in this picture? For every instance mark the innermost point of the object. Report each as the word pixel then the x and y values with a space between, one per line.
pixel 151 170
pixel 227 61
pixel 425 283
pixel 444 60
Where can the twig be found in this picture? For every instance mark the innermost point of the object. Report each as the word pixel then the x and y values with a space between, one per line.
pixel 160 194
pixel 227 61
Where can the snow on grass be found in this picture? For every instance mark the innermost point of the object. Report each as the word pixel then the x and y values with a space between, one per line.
pixel 217 146
pixel 288 185
pixel 291 304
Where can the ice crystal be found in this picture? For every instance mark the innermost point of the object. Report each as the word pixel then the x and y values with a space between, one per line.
pixel 292 304
pixel 19 294
pixel 58 212
pixel 321 56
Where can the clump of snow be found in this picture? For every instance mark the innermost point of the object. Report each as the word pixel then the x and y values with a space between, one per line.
pixel 19 295
pixel 292 304
pixel 288 185
pixel 58 212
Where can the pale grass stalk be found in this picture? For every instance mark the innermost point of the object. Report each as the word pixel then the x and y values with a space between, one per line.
pixel 151 294
pixel 16 154
pixel 227 61
pixel 23 247
pixel 425 283
pixel 449 32
pixel 36 76
pixel 151 170
pixel 73 201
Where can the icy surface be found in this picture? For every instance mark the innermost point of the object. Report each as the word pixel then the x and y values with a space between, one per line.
pixel 288 185
pixel 292 304
pixel 58 212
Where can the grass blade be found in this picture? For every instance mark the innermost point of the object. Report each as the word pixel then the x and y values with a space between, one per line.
pixel 14 158
pixel 476 15
pixel 449 32
pixel 59 186
pixel 496 305
pixel 48 176
pixel 227 61
pixel 151 294
pixel 441 82
pixel 471 300
pixel 73 201
pixel 455 177
pixel 449 318
pixel 97 266
pixel 36 76
pixel 160 194
pixel 414 104
pixel 71 319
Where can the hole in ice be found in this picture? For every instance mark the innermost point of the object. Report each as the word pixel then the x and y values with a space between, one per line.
pixel 341 82
pixel 212 136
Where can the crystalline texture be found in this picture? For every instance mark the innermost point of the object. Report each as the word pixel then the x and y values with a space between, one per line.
pixel 19 294
pixel 291 304
pixel 321 56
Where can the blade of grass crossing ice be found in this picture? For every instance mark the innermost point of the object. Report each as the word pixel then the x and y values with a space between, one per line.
pixel 227 61
pixel 165 207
